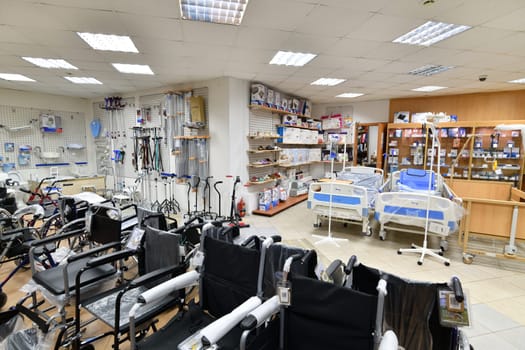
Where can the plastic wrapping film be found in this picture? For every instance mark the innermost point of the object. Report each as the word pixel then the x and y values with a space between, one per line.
pixel 411 209
pixel 11 322
pixel 28 339
pixel 104 308
pixel 372 183
pixel 202 156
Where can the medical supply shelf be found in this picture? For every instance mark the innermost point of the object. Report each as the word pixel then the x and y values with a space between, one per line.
pixel 469 150
pixel 290 202
pixel 277 111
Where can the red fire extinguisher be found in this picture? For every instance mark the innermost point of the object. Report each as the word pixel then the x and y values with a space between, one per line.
pixel 241 208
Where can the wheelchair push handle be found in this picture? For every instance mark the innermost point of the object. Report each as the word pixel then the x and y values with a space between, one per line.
pixel 352 262
pixel 458 289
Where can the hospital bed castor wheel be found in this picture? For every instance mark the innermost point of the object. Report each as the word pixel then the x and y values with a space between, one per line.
pixel 443 245
pixel 399 252
pixel 3 299
pixel 468 258
pixel 447 263
pixel 419 262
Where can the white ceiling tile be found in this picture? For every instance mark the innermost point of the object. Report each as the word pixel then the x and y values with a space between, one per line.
pixel 391 51
pixel 350 47
pixel 475 12
pixel 308 43
pixel 157 8
pixel 383 28
pixel 481 38
pixel 261 38
pixel 361 5
pixel 332 21
pixel 210 33
pixel 276 14
pixel 413 9
pixel 435 55
pixel 139 25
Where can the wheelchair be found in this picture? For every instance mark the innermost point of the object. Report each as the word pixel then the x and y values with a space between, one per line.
pixel 412 309
pixel 308 313
pixel 231 280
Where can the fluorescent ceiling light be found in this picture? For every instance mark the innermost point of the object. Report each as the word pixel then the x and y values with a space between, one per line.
pixel 327 81
pixel 430 33
pixel 50 62
pixel 83 80
pixel 429 88
pixel 133 68
pixel 518 81
pixel 350 95
pixel 109 42
pixel 430 69
pixel 14 77
pixel 215 11
pixel 288 58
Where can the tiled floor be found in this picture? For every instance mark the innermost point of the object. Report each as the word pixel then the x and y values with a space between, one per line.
pixel 496 287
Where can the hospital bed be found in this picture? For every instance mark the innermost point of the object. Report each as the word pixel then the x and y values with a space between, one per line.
pixel 404 200
pixel 370 178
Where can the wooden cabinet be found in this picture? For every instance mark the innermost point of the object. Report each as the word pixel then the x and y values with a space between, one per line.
pixel 469 150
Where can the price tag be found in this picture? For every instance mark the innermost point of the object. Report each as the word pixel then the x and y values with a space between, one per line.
pixel 284 293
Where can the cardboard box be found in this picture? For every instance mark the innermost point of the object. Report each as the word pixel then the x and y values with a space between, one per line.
pixel 402 117
pixel 265 199
pixel 289 119
pixel 270 98
pixel 277 99
pixel 258 94
pixel 197 109
pixel 276 195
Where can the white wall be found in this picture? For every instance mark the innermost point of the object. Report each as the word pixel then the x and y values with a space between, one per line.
pixel 364 112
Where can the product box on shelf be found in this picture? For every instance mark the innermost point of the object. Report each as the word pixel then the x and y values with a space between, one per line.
pixel 306 109
pixel 314 154
pixel 332 122
pixel 270 98
pixel 284 103
pixel 295 105
pixel 402 117
pixel 258 94
pixel 276 195
pixel 265 199
pixel 289 119
pixel 277 99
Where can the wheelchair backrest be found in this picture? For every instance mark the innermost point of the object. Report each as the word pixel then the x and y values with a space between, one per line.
pixel 411 309
pixel 229 275
pixel 159 249
pixel 325 316
pixel 275 259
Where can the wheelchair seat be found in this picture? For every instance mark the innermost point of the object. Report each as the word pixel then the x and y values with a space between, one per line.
pixel 53 279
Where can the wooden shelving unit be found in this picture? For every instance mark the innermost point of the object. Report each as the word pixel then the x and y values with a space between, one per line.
pixel 290 202
pixel 276 110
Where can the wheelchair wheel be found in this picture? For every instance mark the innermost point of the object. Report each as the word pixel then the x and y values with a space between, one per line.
pixel 51 225
pixel 3 299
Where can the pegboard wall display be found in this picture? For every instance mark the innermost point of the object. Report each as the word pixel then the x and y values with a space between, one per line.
pixel 138 138
pixel 33 138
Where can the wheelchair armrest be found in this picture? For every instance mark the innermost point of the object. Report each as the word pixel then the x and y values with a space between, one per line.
pixel 112 257
pixel 182 281
pixel 58 237
pixel 261 314
pixel 153 275
pixel 389 341
pixel 92 251
pixel 213 332
pixel 458 289
pixel 17 232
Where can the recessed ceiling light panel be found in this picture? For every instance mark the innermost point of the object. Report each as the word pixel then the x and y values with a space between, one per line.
pixel 430 33
pixel 296 59
pixel 109 42
pixel 429 88
pixel 327 81
pixel 133 68
pixel 14 77
pixel 430 69
pixel 56 63
pixel 350 95
pixel 214 11
pixel 83 80
pixel 518 81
